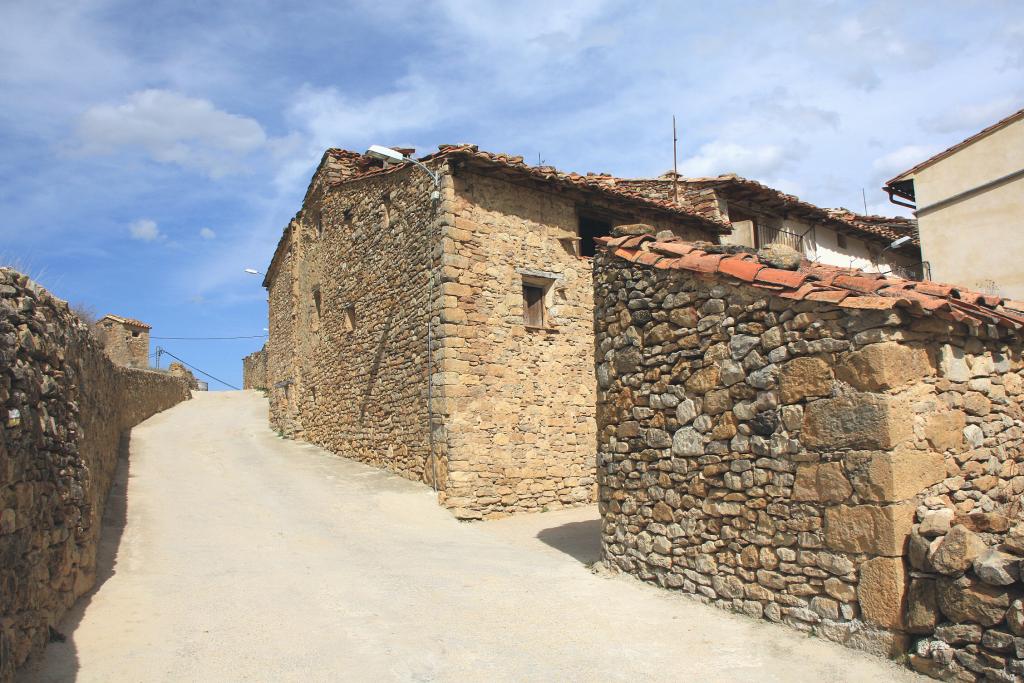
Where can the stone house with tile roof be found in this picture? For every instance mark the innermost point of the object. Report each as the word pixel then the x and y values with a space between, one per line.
pixel 761 215
pixel 125 340
pixel 450 339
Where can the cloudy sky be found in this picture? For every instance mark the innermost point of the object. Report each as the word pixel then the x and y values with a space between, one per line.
pixel 152 150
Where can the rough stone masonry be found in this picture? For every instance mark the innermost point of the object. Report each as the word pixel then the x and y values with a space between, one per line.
pixel 493 407
pixel 824 448
pixel 64 408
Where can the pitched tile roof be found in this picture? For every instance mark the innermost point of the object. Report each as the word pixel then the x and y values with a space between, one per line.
pixel 1002 123
pixel 127 321
pixel 845 287
pixel 514 166
pixel 699 194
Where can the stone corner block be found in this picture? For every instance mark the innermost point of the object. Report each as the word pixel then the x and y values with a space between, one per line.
pixel 893 476
pixel 882 592
pixel 803 377
pixel 857 420
pixel 885 365
pixel 821 483
pixel 873 529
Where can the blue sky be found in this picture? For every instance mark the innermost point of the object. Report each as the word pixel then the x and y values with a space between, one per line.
pixel 151 151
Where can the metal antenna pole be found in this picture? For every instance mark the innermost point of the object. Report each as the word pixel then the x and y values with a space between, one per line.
pixel 675 162
pixel 864 196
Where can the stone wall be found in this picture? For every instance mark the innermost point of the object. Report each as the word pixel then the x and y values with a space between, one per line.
pixel 519 401
pixel 254 370
pixel 346 357
pixel 772 456
pixel 65 407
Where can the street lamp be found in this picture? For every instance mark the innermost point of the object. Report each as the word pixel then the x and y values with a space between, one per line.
pixel 393 156
pixel 253 271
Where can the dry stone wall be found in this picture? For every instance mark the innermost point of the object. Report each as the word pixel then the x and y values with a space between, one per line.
pixel 65 407
pixel 852 473
pixel 254 370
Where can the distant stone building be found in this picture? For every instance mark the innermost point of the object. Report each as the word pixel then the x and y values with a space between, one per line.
pixel 125 340
pixel 969 201
pixel 822 447
pixel 761 215
pixel 450 340
pixel 254 370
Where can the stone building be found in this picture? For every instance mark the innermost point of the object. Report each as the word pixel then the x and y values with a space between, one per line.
pixel 761 215
pixel 125 340
pixel 450 340
pixel 968 198
pixel 822 447
pixel 254 370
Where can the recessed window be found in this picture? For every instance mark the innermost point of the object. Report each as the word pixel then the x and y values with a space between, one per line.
pixel 589 228
pixel 315 322
pixel 841 240
pixel 348 319
pixel 533 305
pixel 135 334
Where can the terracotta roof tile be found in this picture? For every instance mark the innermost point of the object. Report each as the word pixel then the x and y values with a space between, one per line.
pixel 127 321
pixel 845 287
pixel 741 269
pixel 787 278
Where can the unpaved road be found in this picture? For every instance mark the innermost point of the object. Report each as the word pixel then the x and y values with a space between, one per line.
pixel 247 557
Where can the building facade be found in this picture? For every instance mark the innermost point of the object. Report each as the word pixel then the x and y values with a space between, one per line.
pixel 969 202
pixel 450 340
pixel 761 215
pixel 125 340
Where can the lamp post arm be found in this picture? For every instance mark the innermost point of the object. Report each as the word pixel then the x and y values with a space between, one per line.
pixel 433 176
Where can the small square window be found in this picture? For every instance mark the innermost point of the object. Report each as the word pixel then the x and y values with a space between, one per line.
pixel 534 313
pixel 841 240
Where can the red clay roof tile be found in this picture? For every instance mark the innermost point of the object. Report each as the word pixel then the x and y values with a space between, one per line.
pixel 745 270
pixel 787 278
pixel 846 287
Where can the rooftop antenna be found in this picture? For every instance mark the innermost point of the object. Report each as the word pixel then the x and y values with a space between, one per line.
pixel 675 162
pixel 864 196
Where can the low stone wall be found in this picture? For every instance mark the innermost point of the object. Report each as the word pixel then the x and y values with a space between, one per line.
pixel 771 455
pixel 64 407
pixel 254 370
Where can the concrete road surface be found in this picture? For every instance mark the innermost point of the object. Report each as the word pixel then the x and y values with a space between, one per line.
pixel 233 555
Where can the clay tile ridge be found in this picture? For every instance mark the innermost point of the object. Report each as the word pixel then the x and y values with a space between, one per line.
pixel 599 182
pixel 846 287
pixel 127 321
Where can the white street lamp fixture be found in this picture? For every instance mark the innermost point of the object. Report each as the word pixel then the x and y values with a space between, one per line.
pixel 899 242
pixel 393 156
pixel 253 271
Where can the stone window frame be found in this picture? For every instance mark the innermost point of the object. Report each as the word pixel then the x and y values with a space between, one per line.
pixel 544 281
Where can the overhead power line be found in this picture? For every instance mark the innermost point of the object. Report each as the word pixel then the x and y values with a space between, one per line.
pixel 251 336
pixel 192 367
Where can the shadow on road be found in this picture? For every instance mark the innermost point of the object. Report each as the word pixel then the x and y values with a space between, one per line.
pixel 62 657
pixel 581 540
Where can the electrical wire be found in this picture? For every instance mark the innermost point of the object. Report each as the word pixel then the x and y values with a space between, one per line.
pixel 215 379
pixel 252 336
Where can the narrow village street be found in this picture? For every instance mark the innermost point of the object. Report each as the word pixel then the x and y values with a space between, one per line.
pixel 232 554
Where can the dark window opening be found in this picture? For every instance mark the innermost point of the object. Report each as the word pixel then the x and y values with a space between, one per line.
pixel 316 300
pixel 841 240
pixel 135 334
pixel 533 305
pixel 589 228
pixel 349 321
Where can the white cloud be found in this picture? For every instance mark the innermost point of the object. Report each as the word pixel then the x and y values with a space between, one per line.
pixel 172 128
pixel 145 230
pixel 970 118
pixel 901 159
pixel 718 157
pixel 207 234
